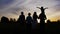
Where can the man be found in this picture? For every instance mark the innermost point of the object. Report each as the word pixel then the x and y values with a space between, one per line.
pixel 21 19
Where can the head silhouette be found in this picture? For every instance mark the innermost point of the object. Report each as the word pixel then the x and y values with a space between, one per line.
pixel 29 14
pixel 35 13
pixel 41 7
pixel 42 10
pixel 48 21
pixel 22 13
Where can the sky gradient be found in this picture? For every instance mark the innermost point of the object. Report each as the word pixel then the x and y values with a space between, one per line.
pixel 12 8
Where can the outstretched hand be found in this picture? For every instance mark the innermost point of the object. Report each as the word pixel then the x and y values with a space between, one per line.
pixel 38 7
pixel 46 8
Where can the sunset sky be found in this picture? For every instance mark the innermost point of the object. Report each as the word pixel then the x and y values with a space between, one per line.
pixel 12 8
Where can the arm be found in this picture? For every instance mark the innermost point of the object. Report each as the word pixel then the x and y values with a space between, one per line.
pixel 38 7
pixel 46 8
pixel 45 17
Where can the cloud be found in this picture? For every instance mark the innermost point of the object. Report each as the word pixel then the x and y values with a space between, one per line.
pixel 14 7
pixel 5 3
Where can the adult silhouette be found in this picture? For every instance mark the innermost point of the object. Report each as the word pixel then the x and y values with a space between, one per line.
pixel 42 18
pixel 21 18
pixel 29 21
pixel 35 17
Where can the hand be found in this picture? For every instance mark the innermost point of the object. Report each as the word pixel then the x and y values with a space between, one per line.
pixel 46 8
pixel 38 7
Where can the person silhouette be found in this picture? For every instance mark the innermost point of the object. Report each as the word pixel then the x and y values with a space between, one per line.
pixel 11 20
pixel 21 18
pixel 48 21
pixel 35 17
pixel 4 19
pixel 29 19
pixel 29 23
pixel 42 18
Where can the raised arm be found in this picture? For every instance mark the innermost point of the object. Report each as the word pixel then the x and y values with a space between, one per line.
pixel 46 8
pixel 38 7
